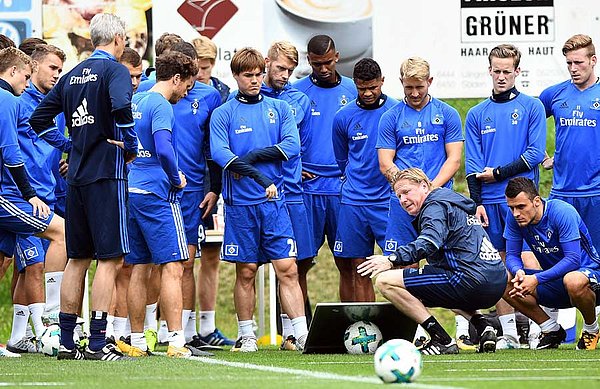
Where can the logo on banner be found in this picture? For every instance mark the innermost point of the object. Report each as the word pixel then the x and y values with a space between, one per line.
pixel 207 16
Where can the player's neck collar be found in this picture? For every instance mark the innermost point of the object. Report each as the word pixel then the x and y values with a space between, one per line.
pixel 243 98
pixel 6 86
pixel 379 103
pixel 326 84
pixel 505 96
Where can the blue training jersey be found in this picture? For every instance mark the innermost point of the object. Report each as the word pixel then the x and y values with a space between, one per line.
pixel 96 99
pixel 498 133
pixel 10 155
pixel 317 150
pixel 39 156
pixel 192 116
pixel 560 223
pixel 152 113
pixel 354 139
pixel 420 137
pixel 237 128
pixel 292 169
pixel 576 116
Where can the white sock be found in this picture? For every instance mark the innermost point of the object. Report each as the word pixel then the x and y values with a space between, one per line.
pixel 421 333
pixel 286 326
pixel 245 328
pixel 549 326
pixel 190 328
pixel 597 310
pixel 139 340
pixel 127 327
pixel 176 338
pixel 591 328
pixel 185 317
pixel 150 322
pixel 20 319
pixel 462 326
pixel 300 326
pixel 163 332
pixel 52 283
pixel 552 312
pixel 119 326
pixel 110 330
pixel 207 322
pixel 35 312
pixel 509 325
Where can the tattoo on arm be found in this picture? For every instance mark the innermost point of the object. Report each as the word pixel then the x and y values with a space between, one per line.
pixel 392 174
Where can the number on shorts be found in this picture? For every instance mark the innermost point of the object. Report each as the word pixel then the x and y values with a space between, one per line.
pixel 293 251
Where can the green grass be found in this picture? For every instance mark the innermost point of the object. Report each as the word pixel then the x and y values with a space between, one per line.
pixel 506 369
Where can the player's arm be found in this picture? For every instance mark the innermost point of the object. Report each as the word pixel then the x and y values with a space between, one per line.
pixel 451 165
pixel 166 156
pixel 514 263
pixel 340 142
pixel 120 91
pixel 386 147
pixel 474 164
pixel 42 118
pixel 387 166
pixel 570 262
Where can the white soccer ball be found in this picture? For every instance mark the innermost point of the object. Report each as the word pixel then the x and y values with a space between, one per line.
pixel 362 337
pixel 398 360
pixel 50 340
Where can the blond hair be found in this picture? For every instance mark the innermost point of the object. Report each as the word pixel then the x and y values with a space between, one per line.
pixel 415 67
pixel 284 48
pixel 414 175
pixel 579 41
pixel 205 48
pixel 11 56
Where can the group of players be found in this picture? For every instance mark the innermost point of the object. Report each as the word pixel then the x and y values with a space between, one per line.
pixel 295 163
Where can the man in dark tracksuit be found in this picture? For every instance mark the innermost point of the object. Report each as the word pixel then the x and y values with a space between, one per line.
pixel 464 271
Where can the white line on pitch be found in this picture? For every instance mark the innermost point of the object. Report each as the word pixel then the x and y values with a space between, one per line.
pixel 520 369
pixel 516 379
pixel 34 384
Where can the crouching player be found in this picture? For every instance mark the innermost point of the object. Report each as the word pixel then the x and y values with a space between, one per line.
pixel 464 271
pixel 560 241
pixel 156 230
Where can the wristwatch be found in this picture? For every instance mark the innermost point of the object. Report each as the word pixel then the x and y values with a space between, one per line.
pixel 393 257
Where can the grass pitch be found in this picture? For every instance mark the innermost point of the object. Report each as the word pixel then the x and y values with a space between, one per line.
pixel 270 368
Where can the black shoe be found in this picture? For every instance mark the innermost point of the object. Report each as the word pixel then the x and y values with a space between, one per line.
pixel 66 354
pixel 197 352
pixel 487 340
pixel 199 344
pixel 551 339
pixel 107 353
pixel 435 348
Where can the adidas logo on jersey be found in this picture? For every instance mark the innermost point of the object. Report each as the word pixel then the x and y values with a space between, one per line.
pixel 81 115
pixel 564 105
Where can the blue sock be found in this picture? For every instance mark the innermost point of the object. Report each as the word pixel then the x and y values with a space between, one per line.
pixel 67 322
pixel 98 330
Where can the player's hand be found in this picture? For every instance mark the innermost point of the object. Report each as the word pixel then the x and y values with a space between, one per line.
pixel 487 175
pixel 548 163
pixel 40 209
pixel 482 216
pixel 183 181
pixel 271 191
pixel 128 156
pixel 525 287
pixel 63 168
pixel 236 176
pixel 208 203
pixel 307 176
pixel 374 265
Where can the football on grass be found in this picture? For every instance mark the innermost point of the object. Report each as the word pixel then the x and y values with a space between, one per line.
pixel 398 360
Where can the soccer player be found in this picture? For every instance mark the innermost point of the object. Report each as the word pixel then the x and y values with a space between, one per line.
pixel 575 105
pixel 505 137
pixel 96 99
pixel 464 271
pixel 250 137
pixel 570 264
pixel 34 257
pixel 328 92
pixel 281 60
pixel 365 194
pixel 156 228
pixel 207 56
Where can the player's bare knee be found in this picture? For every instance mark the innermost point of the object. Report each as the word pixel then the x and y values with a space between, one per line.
pixel 384 282
pixel 576 283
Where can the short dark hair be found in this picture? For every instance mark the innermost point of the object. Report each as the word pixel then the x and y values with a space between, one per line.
pixel 165 41
pixel 174 62
pixel 245 60
pixel 131 57
pixel 41 51
pixel 521 184
pixel 6 42
pixel 320 45
pixel 185 48
pixel 28 45
pixel 366 69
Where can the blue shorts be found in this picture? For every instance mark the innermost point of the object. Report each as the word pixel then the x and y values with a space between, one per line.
pixel 437 287
pixel 192 217
pixel 553 294
pixel 156 231
pixel 359 227
pixel 589 210
pixel 29 250
pixel 323 213
pixel 96 220
pixel 258 233
pixel 400 230
pixel 302 233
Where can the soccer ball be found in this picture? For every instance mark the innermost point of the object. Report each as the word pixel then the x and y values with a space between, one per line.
pixel 50 340
pixel 362 337
pixel 398 360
